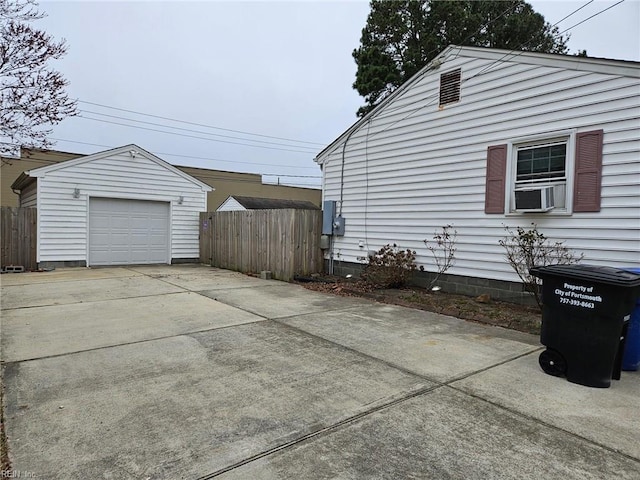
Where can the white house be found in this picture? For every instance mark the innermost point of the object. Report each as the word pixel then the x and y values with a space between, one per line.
pixel 120 206
pixel 485 138
pixel 241 203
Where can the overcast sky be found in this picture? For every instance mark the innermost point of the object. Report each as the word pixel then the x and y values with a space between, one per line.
pixel 278 69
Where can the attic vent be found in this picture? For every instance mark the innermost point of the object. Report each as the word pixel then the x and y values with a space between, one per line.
pixel 450 87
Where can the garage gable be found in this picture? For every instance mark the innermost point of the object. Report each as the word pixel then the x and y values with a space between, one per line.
pixel 132 150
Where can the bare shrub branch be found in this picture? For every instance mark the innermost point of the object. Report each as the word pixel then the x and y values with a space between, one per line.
pixel 390 267
pixel 526 249
pixel 443 250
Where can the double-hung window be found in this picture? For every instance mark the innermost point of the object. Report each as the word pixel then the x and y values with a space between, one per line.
pixel 542 164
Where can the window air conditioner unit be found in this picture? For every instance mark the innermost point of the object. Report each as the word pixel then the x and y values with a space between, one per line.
pixel 538 199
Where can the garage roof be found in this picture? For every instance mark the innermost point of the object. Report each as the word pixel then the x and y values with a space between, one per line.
pixel 25 178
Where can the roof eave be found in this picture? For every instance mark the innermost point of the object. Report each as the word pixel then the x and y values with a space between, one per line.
pixel 621 66
pixel 23 181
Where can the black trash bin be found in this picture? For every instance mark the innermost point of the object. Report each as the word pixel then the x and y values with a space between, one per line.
pixel 585 312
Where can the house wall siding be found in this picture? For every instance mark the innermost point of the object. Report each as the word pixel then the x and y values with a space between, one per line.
pixel 415 167
pixel 29 196
pixel 63 219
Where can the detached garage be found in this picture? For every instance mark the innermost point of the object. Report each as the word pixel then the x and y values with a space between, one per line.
pixel 118 207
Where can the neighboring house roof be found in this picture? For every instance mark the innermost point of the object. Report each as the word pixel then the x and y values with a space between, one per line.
pixel 27 177
pixel 254 203
pixel 570 62
pixel 22 181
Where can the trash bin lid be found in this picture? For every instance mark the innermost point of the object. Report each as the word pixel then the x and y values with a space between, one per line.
pixel 594 273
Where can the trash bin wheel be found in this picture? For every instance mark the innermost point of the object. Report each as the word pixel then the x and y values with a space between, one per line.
pixel 553 363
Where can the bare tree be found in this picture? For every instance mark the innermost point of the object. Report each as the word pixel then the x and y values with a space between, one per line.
pixel 33 94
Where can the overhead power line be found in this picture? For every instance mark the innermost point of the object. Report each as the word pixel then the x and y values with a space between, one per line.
pixel 195 136
pixel 571 14
pixel 293 176
pixel 191 156
pixel 518 50
pixel 196 131
pixel 589 18
pixel 201 124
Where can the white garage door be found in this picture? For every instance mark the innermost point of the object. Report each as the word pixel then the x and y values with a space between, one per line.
pixel 128 231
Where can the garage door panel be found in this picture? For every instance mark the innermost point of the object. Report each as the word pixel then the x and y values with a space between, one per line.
pixel 157 223
pixel 157 242
pixel 118 222
pixel 128 231
pixel 116 256
pixel 137 217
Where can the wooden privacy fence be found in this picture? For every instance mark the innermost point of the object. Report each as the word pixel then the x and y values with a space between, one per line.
pixel 286 242
pixel 19 231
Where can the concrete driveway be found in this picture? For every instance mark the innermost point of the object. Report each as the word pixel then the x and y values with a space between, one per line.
pixel 195 372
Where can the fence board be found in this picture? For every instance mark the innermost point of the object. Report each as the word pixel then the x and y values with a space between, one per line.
pixel 286 242
pixel 18 232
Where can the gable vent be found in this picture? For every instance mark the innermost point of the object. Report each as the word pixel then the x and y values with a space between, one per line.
pixel 450 87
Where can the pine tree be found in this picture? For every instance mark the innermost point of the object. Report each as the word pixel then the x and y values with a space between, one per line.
pixel 402 36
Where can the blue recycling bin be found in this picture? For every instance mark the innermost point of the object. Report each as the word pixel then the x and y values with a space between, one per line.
pixel 631 358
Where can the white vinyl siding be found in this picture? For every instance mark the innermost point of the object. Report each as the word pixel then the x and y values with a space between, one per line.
pixel 413 168
pixel 29 195
pixel 63 219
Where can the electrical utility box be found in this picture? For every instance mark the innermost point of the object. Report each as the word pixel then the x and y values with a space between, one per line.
pixel 338 226
pixel 328 214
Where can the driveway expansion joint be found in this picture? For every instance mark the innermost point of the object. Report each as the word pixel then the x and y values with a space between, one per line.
pixel 26 307
pixel 322 431
pixel 543 423
pixel 45 281
pixel 357 352
pixel 163 278
pixel 399 367
pixel 342 309
pixel 135 342
pixel 492 366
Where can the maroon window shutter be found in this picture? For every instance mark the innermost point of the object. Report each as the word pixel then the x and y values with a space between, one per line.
pixel 588 171
pixel 496 177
